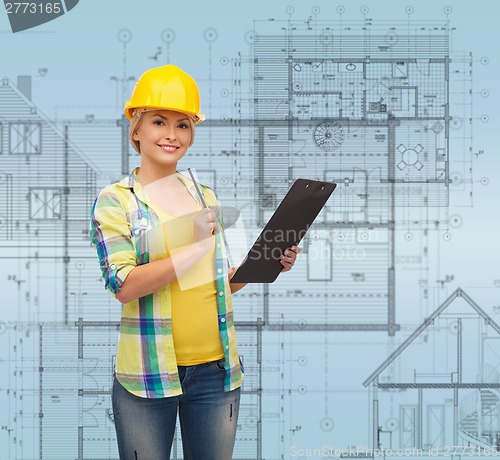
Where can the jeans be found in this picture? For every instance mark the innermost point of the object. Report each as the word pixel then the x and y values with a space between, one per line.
pixel 208 416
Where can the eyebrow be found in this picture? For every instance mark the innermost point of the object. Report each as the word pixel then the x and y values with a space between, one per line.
pixel 166 119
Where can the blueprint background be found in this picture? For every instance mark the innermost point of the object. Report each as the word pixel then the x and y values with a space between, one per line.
pixel 321 402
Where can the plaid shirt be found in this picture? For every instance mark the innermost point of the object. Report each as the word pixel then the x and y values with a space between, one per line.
pixel 126 232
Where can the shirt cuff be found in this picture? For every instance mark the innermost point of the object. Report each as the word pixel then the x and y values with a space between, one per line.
pixel 116 277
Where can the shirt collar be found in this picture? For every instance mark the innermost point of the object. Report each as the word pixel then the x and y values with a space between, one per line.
pixel 132 182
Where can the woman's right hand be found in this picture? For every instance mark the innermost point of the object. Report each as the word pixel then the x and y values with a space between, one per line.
pixel 205 226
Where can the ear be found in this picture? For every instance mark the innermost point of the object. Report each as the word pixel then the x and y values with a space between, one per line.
pixel 135 136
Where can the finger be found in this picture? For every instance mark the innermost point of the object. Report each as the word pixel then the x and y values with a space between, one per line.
pixel 287 260
pixel 286 265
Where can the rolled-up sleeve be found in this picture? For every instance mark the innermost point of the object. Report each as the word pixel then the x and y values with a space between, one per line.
pixel 110 235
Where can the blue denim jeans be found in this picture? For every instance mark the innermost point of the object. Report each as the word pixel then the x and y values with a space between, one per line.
pixel 208 417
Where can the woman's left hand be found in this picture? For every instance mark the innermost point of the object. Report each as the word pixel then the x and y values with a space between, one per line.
pixel 288 258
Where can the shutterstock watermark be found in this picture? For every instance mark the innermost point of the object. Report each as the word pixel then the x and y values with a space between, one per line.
pixel 26 15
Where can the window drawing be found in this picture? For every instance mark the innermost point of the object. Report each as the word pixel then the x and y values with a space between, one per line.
pixel 25 138
pixel 44 203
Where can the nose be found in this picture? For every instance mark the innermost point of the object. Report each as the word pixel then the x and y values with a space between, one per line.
pixel 170 133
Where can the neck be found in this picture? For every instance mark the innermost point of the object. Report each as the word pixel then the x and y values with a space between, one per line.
pixel 148 175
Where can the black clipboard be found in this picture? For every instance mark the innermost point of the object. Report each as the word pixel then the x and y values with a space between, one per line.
pixel 286 227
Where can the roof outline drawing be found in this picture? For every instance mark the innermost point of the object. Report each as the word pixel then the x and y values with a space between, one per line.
pixel 7 82
pixel 459 292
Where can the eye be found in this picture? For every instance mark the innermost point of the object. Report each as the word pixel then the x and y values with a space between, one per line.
pixel 183 126
pixel 158 122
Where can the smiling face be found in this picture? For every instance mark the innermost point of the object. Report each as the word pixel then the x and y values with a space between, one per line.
pixel 164 137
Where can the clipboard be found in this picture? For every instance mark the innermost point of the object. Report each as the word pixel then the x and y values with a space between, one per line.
pixel 286 227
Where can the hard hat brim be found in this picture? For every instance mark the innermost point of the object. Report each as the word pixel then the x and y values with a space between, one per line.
pixel 129 112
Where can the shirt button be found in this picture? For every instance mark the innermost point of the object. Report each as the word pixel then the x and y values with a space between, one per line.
pixel 221 293
pixel 223 320
pixel 227 347
pixel 112 266
pixel 219 270
pixel 136 231
pixel 218 245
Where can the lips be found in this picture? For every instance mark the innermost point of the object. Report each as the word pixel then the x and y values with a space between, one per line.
pixel 168 148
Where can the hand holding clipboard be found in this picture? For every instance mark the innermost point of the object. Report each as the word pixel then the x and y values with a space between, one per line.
pixel 285 229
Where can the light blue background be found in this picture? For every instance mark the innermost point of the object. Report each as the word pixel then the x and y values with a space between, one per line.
pixel 81 52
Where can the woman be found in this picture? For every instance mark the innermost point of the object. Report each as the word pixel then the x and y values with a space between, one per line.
pixel 162 256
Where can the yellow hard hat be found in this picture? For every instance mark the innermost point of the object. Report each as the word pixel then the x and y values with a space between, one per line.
pixel 166 88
